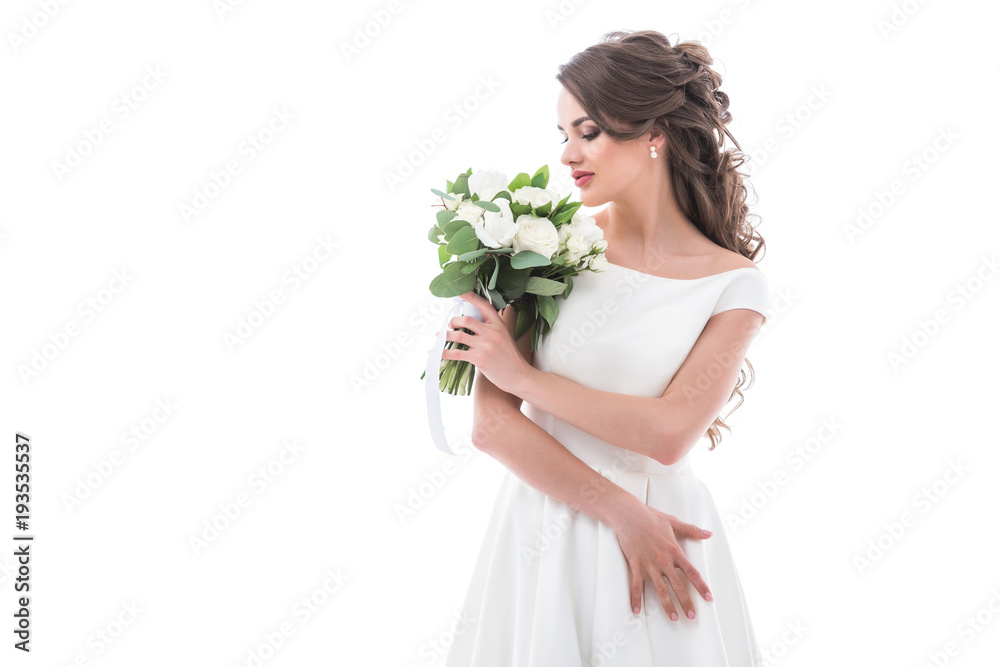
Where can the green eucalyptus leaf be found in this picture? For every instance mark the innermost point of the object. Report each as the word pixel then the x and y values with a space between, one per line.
pixel 525 318
pixel 461 184
pixel 539 322
pixel 472 266
pixel 445 195
pixel 496 298
pixel 513 279
pixel 444 216
pixel 443 255
pixel 464 240
pixel 527 259
pixel 545 286
pixel 488 206
pixel 548 309
pixel 496 272
pixel 469 256
pixel 452 282
pixel 452 228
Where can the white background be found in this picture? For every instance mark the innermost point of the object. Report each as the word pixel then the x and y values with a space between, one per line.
pixel 335 365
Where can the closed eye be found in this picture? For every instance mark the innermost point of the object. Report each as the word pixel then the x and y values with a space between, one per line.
pixel 588 137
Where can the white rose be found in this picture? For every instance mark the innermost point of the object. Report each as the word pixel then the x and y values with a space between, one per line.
pixel 600 246
pixel 486 183
pixel 564 231
pixel 576 247
pixel 597 262
pixel 535 196
pixel 469 212
pixel 496 230
pixel 537 235
pixel 589 231
pixel 452 204
pixel 584 221
pixel 580 236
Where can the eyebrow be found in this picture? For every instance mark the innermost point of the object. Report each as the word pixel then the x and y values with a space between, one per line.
pixel 576 122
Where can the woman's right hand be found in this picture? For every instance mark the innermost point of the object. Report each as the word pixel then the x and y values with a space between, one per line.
pixel 648 538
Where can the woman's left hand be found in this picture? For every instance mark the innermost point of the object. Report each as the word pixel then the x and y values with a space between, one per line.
pixel 491 346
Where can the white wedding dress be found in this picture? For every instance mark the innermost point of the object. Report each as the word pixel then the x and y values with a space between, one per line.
pixel 551 585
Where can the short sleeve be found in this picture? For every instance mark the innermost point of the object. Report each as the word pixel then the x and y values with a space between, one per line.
pixel 748 289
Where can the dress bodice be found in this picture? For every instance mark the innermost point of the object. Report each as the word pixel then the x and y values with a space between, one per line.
pixel 628 332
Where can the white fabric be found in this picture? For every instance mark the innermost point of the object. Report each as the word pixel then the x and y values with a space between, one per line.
pixel 551 585
pixel 432 371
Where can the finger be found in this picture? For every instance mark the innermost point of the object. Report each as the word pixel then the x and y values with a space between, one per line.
pixel 457 336
pixel 636 591
pixel 694 576
pixel 684 529
pixel 484 306
pixel 663 592
pixel 466 322
pixel 680 590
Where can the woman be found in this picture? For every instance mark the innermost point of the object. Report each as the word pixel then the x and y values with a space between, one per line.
pixel 600 522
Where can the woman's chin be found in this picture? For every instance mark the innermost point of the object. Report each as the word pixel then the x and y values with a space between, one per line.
pixel 589 199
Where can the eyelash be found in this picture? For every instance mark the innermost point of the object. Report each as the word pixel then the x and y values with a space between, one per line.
pixel 589 137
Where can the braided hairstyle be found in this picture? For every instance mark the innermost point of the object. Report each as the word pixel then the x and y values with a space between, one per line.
pixel 632 81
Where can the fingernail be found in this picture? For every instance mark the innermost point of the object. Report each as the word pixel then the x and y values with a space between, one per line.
pixel 674 616
pixel 636 609
pixel 707 532
pixel 691 614
pixel 708 597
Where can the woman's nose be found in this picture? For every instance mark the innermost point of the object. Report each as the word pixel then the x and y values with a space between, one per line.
pixel 569 154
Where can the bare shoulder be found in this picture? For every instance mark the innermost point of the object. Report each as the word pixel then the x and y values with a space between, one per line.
pixel 727 260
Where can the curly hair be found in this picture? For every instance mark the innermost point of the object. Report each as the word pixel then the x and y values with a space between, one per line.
pixel 632 81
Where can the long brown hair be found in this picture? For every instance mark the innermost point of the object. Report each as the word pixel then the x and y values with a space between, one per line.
pixel 633 80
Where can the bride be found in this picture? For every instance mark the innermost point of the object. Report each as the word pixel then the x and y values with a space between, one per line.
pixel 600 522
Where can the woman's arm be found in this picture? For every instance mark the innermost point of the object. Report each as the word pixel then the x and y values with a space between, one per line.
pixel 504 432
pixel 666 427
pixel 544 463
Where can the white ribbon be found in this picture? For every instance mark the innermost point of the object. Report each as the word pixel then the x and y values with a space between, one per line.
pixel 432 373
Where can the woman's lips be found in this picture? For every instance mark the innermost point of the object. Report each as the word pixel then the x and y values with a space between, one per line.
pixel 583 179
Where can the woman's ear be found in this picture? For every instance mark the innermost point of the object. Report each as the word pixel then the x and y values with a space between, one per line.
pixel 657 137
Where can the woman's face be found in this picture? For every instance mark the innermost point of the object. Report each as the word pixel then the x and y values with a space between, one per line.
pixel 618 167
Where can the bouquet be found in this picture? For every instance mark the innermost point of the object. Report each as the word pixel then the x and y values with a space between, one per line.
pixel 515 243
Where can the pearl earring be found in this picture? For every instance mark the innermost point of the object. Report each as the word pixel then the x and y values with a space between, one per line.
pixel 652 152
